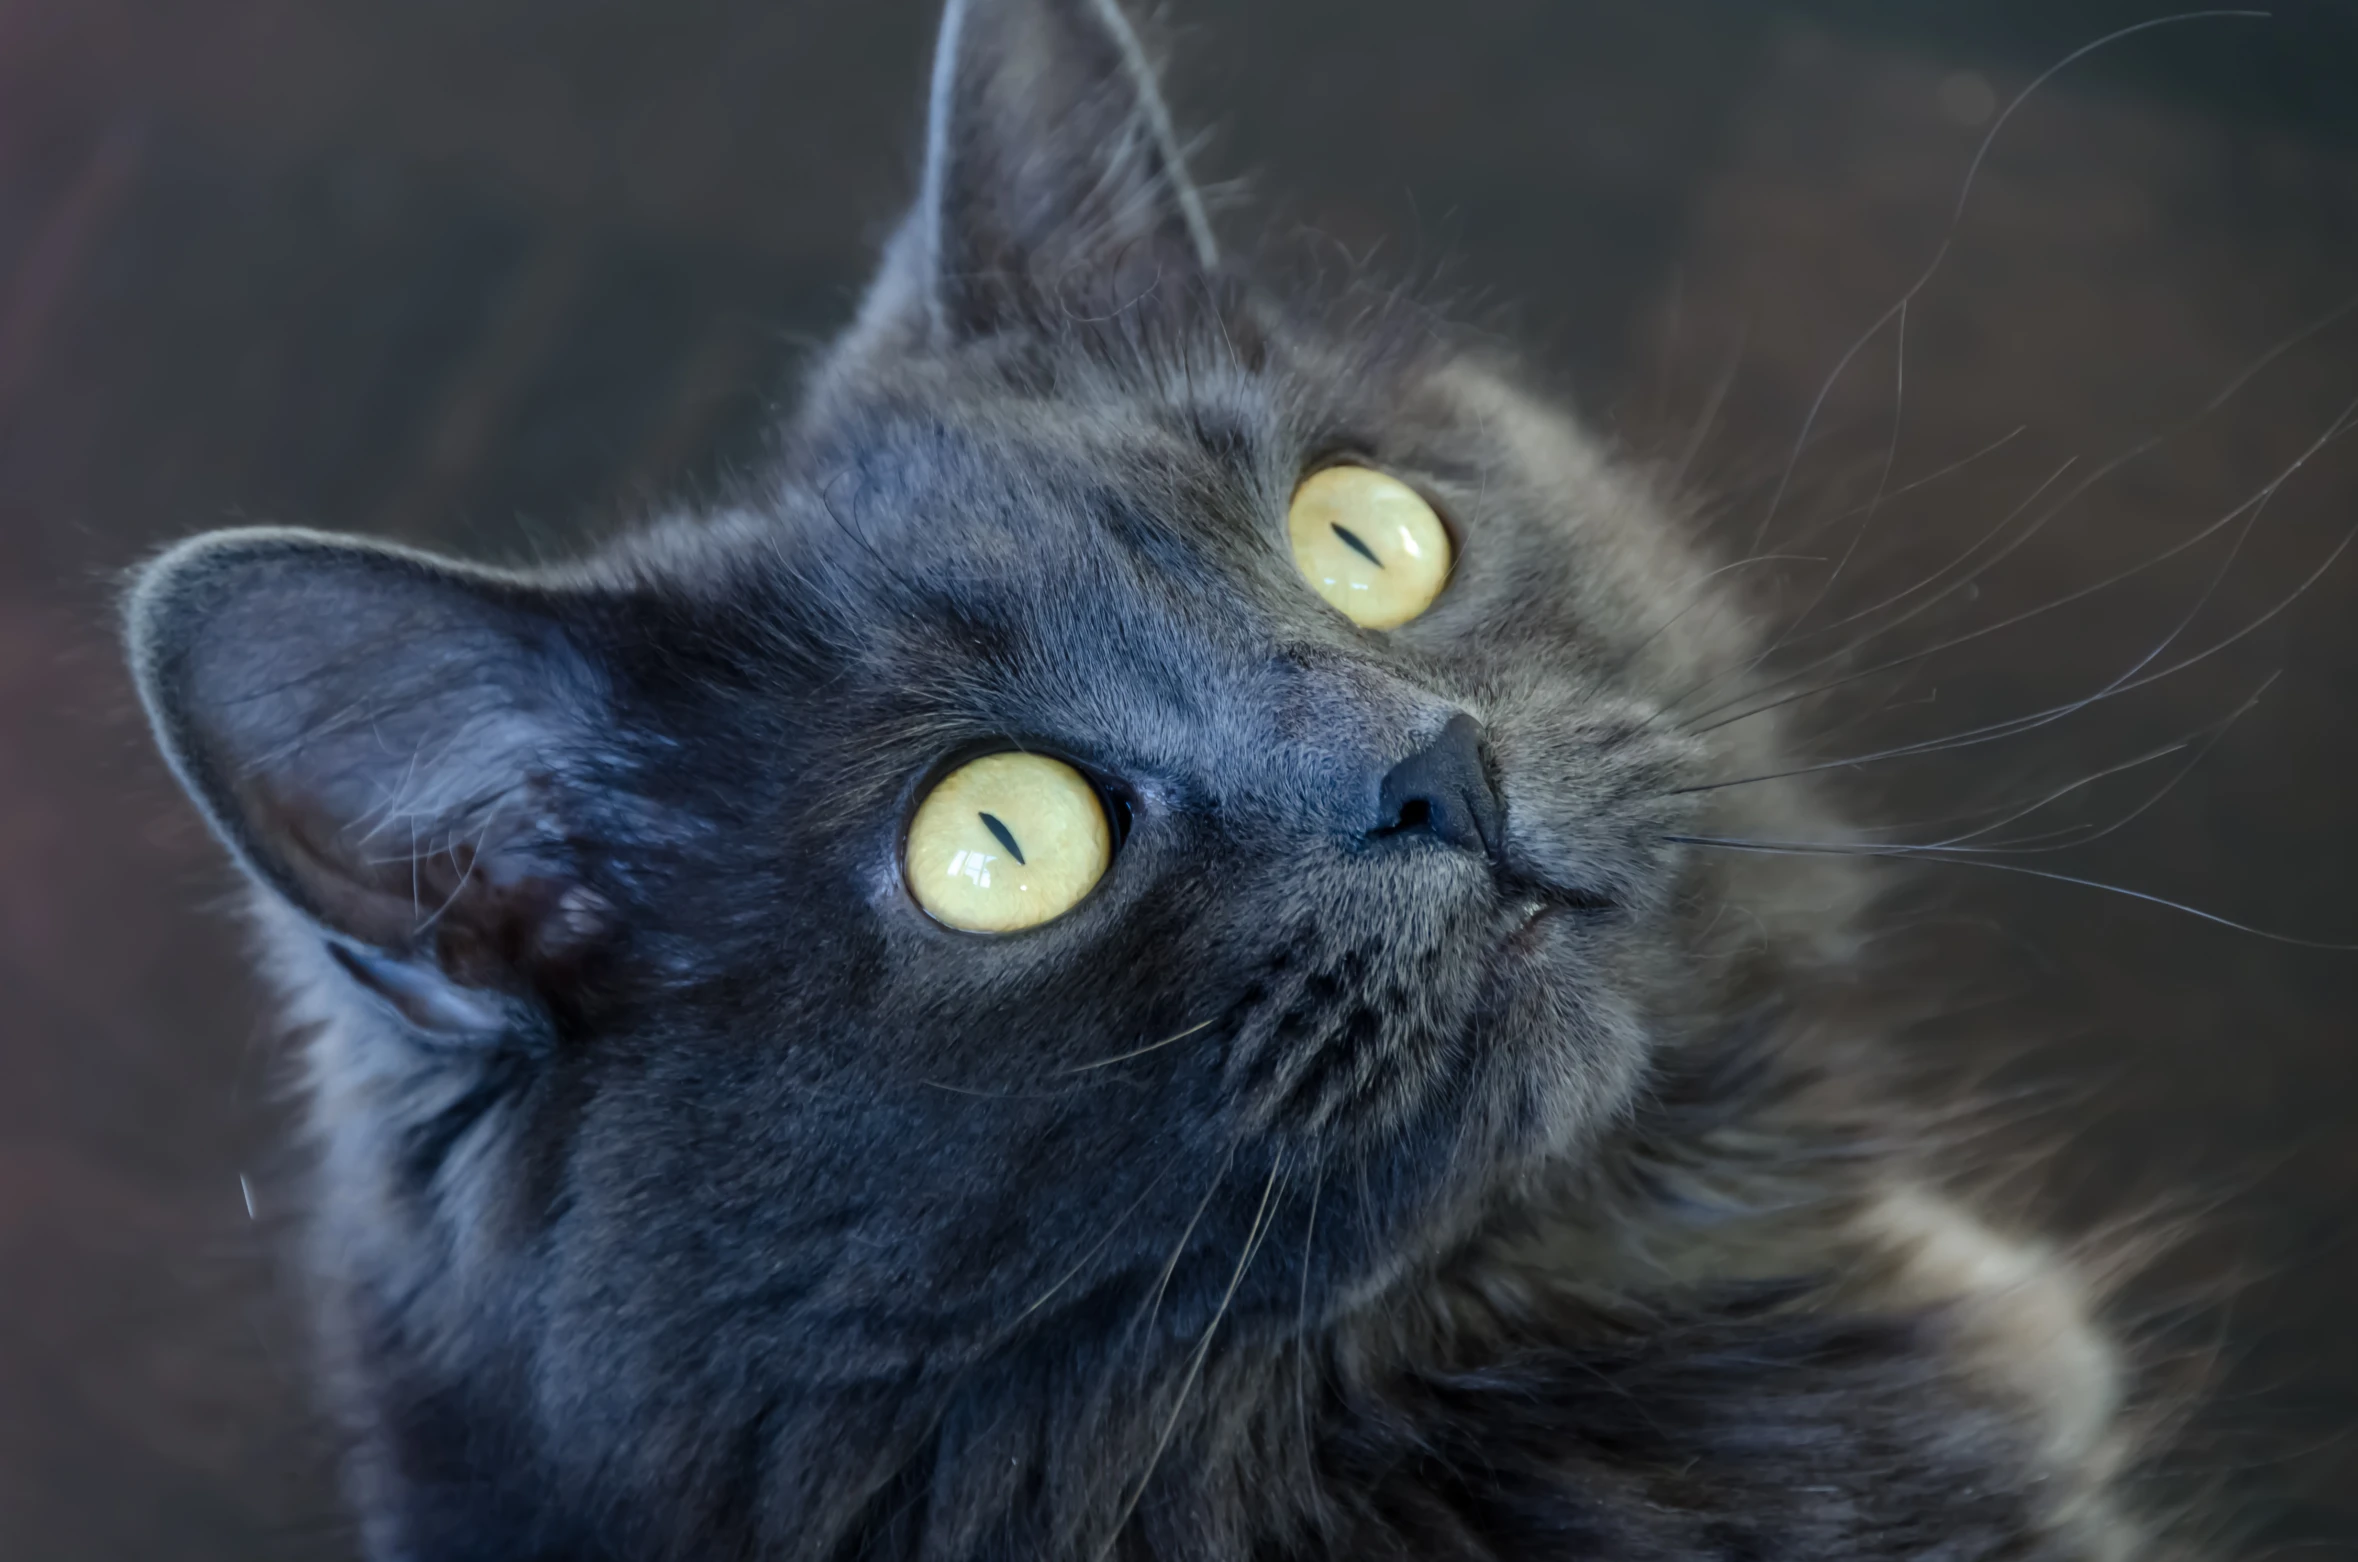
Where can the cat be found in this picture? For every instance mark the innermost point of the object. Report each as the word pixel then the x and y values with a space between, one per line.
pixel 1122 957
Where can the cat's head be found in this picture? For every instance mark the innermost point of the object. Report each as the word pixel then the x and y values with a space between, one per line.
pixel 653 1069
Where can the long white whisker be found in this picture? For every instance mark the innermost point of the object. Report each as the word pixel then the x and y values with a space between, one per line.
pixel 2340 426
pixel 2018 725
pixel 2218 399
pixel 1124 1057
pixel 2064 839
pixel 1966 860
pixel 1179 1249
pixel 1956 221
pixel 1095 1248
pixel 1203 1350
pixel 1899 393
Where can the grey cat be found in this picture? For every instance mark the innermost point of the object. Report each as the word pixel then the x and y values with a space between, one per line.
pixel 1120 960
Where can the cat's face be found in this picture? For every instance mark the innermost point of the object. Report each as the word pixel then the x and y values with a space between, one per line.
pixel 641 1046
pixel 1274 969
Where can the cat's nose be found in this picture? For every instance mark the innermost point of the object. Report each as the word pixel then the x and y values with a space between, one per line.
pixel 1443 790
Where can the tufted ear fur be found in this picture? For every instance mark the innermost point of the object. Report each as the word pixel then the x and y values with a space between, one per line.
pixel 393 744
pixel 1053 180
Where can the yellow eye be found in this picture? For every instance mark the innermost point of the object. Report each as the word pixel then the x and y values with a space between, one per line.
pixel 1007 842
pixel 1369 545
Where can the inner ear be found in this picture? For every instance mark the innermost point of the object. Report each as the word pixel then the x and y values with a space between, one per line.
pixel 1053 178
pixel 407 750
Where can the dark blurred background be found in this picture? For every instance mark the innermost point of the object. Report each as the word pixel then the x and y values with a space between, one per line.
pixel 492 274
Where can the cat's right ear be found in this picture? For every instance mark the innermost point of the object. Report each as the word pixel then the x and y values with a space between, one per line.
pixel 1053 180
pixel 401 747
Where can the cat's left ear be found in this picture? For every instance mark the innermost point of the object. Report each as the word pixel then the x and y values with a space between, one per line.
pixel 1053 179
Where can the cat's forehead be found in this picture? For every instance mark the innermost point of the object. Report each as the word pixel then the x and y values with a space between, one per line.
pixel 1180 449
pixel 1021 506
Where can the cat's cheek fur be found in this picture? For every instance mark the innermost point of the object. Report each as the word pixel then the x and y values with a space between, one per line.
pixel 2023 1308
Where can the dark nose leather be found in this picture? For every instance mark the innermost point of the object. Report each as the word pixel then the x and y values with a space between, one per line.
pixel 1444 791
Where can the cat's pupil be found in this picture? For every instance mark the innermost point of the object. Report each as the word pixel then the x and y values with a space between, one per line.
pixel 1351 541
pixel 1006 837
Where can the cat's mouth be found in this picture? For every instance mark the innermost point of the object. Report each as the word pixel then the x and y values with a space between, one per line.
pixel 1530 918
pixel 1534 905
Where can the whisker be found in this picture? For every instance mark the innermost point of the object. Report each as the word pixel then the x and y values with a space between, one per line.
pixel 1697 597
pixel 1302 1318
pixel 1061 1093
pixel 2005 523
pixel 1899 391
pixel 1979 817
pixel 2069 835
pixel 1171 1264
pixel 1938 474
pixel 1095 1248
pixel 2127 679
pixel 2340 426
pixel 1832 657
pixel 1956 220
pixel 1964 859
pixel 1203 1350
pixel 2017 725
pixel 1712 405
pixel 2201 746
pixel 1891 703
pixel 2218 399
pixel 1077 1068
pixel 1666 354
pixel 1124 1057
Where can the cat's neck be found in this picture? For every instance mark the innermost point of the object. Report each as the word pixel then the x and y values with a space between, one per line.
pixel 1231 1438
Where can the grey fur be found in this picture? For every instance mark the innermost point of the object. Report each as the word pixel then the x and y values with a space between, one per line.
pixel 1311 1190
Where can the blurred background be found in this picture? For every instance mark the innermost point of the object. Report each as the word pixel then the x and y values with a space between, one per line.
pixel 496 274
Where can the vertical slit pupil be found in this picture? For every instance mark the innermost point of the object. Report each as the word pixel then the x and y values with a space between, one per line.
pixel 1352 541
pixel 1005 835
